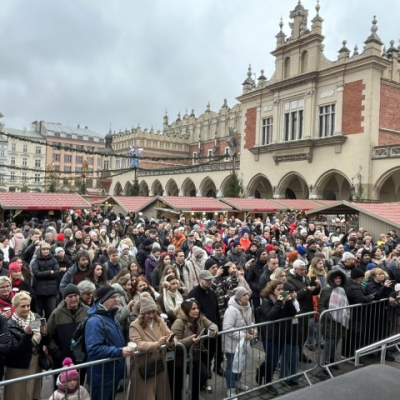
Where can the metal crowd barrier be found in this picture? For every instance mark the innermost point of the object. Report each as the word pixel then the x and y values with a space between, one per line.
pixel 132 386
pixel 271 361
pixel 367 324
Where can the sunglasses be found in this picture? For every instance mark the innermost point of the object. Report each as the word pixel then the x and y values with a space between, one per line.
pixel 190 300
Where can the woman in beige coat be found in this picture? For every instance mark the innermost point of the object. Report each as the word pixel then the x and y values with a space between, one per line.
pixel 189 326
pixel 149 332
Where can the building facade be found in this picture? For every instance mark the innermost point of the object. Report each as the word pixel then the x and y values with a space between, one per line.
pixel 318 128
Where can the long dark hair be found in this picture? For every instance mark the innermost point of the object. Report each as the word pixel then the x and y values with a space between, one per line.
pixel 269 289
pixel 90 274
pixel 186 306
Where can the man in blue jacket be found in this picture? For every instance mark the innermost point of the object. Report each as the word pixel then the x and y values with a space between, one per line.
pixel 104 339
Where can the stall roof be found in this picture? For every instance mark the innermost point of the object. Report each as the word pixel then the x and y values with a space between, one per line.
pixel 188 204
pixel 42 201
pixel 252 204
pixel 298 204
pixel 132 203
pixel 386 212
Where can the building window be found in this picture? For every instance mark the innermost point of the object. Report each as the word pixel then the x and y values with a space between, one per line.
pixel 13 147
pixel 118 164
pixel 67 158
pixel 23 177
pixel 195 160
pixel 327 120
pixel 266 133
pixel 78 169
pixel 24 162
pixel 25 148
pixel 209 153
pixel 90 148
pixel 90 160
pixel 227 156
pixel 89 183
pixel 38 150
pixel 56 167
pixel 12 176
pixel 37 164
pixel 2 152
pixel 56 157
pixel 12 160
pixel 106 165
pixel 79 159
pixel 293 120
pixel 79 146
pixel 56 145
pixel 67 169
pixel 37 177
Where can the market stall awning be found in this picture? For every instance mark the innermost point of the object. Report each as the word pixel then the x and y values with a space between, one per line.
pixel 298 204
pixel 131 203
pixel 253 205
pixel 195 204
pixel 42 201
pixel 386 212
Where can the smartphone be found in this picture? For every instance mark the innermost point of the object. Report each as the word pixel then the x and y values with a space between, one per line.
pixel 285 293
pixel 42 321
pixel 171 338
pixel 34 324
pixel 312 281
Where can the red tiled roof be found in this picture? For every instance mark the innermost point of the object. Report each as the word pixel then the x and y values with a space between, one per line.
pixel 194 203
pixel 132 203
pixel 298 204
pixel 254 205
pixel 42 201
pixel 326 202
pixel 389 211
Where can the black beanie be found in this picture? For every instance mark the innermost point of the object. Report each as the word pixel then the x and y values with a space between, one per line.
pixel 210 262
pixel 364 252
pixel 148 242
pixel 356 273
pixel 104 292
pixel 70 289
pixel 259 251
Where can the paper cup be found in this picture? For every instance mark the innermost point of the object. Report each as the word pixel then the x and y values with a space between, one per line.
pixel 132 345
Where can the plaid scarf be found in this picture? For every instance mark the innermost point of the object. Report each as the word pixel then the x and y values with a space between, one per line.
pixel 339 299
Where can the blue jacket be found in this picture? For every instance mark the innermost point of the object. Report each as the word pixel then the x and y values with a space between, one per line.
pixel 104 343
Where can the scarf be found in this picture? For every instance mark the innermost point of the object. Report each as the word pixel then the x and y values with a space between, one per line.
pixel 339 299
pixel 16 283
pixel 36 338
pixel 171 300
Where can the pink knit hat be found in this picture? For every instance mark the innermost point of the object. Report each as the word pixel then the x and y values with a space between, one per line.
pixel 68 375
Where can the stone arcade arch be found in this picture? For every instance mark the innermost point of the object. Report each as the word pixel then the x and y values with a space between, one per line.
pixel 118 191
pixel 332 185
pixel 189 188
pixel 128 188
pixel 156 188
pixel 171 188
pixel 387 186
pixel 143 189
pixel 292 186
pixel 260 187
pixel 208 188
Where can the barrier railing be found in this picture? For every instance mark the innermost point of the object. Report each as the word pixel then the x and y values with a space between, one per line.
pixel 344 330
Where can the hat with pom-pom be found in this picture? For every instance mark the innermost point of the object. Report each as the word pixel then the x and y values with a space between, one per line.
pixel 147 303
pixel 68 375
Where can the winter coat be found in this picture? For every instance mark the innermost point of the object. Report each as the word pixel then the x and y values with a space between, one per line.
pixel 188 275
pixel 253 276
pixel 329 327
pixel 22 347
pixel 5 340
pixel 68 277
pixel 60 327
pixel 236 316
pixel 150 265
pixel 16 242
pixel 184 328
pixel 355 294
pixel 237 257
pixel 379 290
pixel 104 343
pixel 283 331
pixel 126 259
pixel 80 394
pixel 304 296
pixel 341 267
pixel 147 342
pixel 44 281
pixel 123 312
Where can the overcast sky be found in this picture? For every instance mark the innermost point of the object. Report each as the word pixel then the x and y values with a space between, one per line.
pixel 124 62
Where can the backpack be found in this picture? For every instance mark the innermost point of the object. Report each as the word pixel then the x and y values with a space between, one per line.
pixel 78 344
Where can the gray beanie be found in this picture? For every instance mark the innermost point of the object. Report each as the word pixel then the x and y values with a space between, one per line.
pixel 239 292
pixel 71 289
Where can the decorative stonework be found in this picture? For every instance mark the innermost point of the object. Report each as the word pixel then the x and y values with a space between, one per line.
pixel 327 93
pixel 294 157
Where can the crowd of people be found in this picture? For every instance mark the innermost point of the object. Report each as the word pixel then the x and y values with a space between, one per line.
pixel 156 283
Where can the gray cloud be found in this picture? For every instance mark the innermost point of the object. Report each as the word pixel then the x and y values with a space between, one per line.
pixel 123 62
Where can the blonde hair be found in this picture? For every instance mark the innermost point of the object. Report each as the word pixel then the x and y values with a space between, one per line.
pixel 22 295
pixel 5 279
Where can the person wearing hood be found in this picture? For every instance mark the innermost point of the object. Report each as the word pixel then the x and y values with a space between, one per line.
pixel 335 323
pixel 238 315
pixel 189 326
pixel 149 332
pixel 144 251
pixel 45 270
pixel 152 261
pixel 197 259
pixel 104 339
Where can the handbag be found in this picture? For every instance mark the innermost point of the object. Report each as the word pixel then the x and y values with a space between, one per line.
pixel 151 369
pixel 45 362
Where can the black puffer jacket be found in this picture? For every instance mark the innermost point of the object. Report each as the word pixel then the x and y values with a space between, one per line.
pixel 45 282
pixel 22 346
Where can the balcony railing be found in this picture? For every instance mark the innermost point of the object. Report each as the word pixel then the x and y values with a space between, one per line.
pixel 386 152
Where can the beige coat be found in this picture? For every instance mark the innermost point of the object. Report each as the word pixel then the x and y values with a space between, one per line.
pixel 147 341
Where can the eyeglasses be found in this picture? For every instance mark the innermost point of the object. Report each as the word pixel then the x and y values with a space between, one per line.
pixel 190 300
